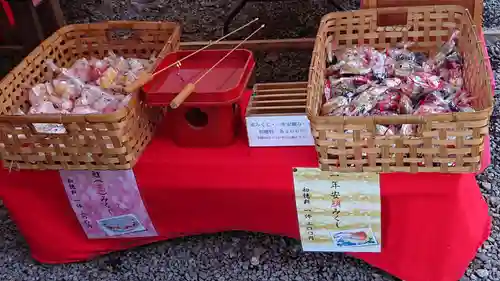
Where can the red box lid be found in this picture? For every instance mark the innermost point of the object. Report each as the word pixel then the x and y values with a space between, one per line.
pixel 222 84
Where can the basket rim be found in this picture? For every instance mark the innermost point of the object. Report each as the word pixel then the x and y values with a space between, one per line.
pixel 325 18
pixel 317 119
pixel 92 118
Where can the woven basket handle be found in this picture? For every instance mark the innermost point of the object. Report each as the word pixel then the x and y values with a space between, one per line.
pixel 393 18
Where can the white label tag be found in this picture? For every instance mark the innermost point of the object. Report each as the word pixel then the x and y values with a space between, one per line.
pixel 291 130
pixel 49 128
pixel 338 212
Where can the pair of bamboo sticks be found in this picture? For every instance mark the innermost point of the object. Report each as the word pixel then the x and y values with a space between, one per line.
pixel 191 86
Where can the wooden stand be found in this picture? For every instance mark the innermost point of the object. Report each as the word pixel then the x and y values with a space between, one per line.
pixel 273 99
pixel 256 45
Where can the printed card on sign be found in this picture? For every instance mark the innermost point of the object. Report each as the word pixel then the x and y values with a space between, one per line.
pixel 338 212
pixel 107 203
pixel 286 130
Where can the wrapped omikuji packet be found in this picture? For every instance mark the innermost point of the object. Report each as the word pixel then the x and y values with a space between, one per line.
pixel 363 81
pixel 89 86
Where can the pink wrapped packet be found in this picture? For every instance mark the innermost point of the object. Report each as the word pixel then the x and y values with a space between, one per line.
pixel 98 67
pixel 61 103
pixel 334 104
pixel 377 63
pixel 125 101
pixel 328 90
pixel 38 94
pixel 90 94
pixel 108 78
pixel 84 110
pixel 461 102
pixel 426 109
pixel 45 107
pixel 405 105
pixel 81 69
pixel 408 129
pixel 366 101
pixel 64 88
pixel 385 130
pixel 136 66
pixel 68 75
pixel 105 102
pixel 446 49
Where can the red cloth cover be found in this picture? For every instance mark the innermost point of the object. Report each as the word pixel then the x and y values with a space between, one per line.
pixel 432 223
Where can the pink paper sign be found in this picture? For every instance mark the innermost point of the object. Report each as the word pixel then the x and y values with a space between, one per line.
pixel 107 203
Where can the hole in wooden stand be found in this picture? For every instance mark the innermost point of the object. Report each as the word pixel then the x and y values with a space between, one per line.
pixel 196 118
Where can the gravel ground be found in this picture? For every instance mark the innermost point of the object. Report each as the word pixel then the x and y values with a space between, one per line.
pixel 237 255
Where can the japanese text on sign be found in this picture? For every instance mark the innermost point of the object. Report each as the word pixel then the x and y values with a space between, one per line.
pixel 292 130
pixel 75 201
pixel 335 202
pixel 308 214
pixel 338 212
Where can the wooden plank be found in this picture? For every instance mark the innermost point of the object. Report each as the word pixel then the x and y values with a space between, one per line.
pixel 256 45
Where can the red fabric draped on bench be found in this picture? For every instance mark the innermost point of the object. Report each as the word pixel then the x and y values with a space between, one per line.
pixel 432 223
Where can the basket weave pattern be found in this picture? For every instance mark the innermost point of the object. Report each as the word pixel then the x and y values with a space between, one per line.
pixel 446 143
pixel 89 142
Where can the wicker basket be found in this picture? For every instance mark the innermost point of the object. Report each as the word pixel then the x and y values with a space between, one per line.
pixel 446 143
pixel 83 142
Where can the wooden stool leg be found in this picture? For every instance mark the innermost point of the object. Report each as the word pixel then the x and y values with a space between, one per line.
pixel 234 11
pixel 336 5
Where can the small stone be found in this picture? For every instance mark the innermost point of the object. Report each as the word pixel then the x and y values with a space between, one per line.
pixel 495 201
pixel 209 3
pixel 254 261
pixel 272 57
pixel 245 265
pixel 202 274
pixel 482 273
pixel 482 257
pixel 487 185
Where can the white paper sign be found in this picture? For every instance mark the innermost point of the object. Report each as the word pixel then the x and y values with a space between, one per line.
pixel 338 212
pixel 292 130
pixel 108 203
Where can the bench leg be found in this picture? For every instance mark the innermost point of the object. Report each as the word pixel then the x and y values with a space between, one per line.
pixel 234 11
